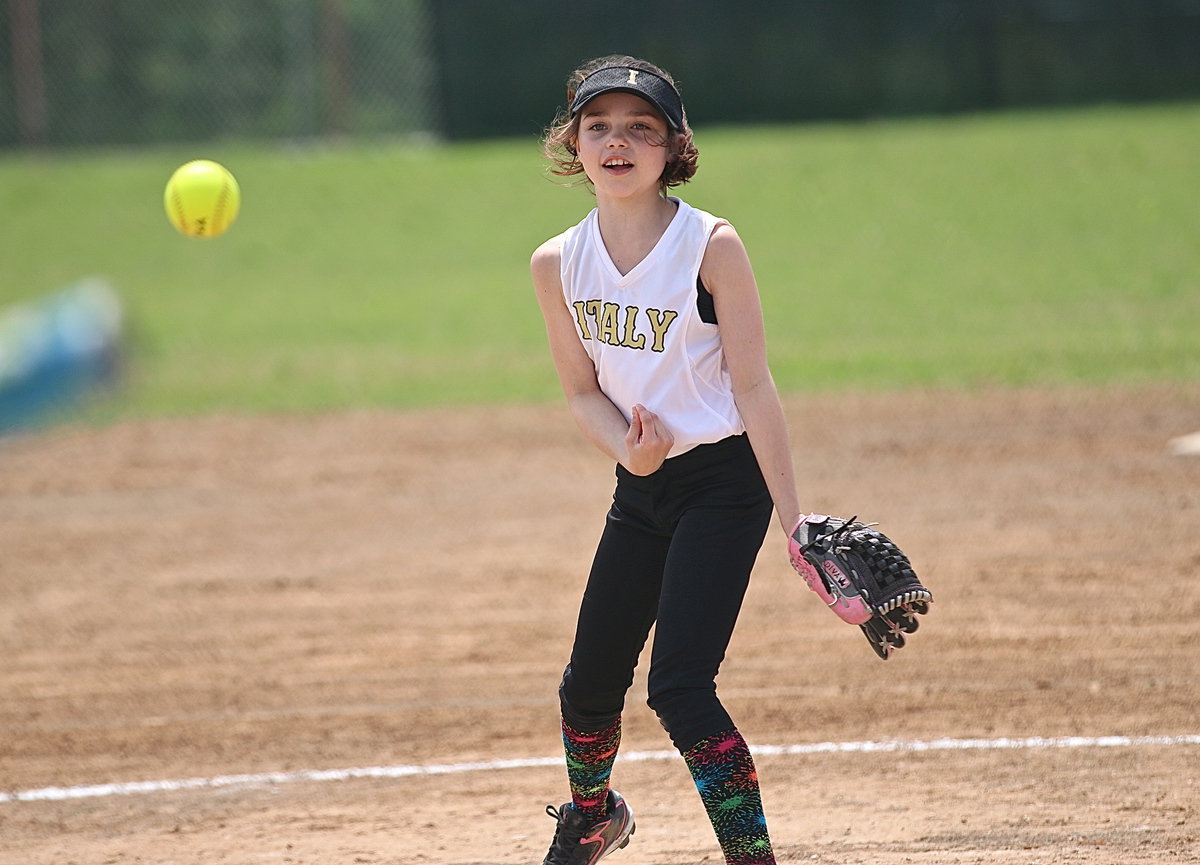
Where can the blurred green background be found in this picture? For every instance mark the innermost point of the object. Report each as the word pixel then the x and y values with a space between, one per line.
pixel 946 193
pixel 1045 246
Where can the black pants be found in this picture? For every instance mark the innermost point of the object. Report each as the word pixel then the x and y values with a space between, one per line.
pixel 677 550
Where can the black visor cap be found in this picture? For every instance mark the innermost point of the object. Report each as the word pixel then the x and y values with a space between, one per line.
pixel 658 90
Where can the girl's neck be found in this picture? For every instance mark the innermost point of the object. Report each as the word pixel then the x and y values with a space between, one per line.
pixel 631 229
pixel 642 207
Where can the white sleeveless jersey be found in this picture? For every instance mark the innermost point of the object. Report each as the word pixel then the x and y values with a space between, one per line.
pixel 644 333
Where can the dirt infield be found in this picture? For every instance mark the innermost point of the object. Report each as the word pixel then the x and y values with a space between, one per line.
pixel 234 596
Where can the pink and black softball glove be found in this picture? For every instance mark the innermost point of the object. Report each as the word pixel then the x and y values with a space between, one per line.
pixel 862 576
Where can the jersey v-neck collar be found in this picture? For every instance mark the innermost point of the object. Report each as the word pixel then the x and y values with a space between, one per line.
pixel 647 261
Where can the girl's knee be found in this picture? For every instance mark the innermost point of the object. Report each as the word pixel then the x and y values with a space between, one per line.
pixel 588 709
pixel 689 714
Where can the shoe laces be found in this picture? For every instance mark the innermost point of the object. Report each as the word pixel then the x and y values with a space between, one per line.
pixel 567 835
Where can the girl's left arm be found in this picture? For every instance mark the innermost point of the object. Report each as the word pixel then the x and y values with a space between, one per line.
pixel 727 274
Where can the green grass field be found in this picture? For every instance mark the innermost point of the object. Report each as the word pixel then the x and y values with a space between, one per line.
pixel 1013 248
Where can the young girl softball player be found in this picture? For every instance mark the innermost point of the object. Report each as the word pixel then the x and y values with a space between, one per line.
pixel 655 327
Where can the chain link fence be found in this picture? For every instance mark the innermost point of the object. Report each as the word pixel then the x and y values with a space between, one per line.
pixel 104 72
pixel 118 72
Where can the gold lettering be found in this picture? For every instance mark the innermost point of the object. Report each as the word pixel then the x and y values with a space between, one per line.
pixel 592 308
pixel 602 321
pixel 584 332
pixel 608 324
pixel 632 338
pixel 659 322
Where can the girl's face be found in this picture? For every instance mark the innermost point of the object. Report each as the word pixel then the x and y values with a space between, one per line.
pixel 622 144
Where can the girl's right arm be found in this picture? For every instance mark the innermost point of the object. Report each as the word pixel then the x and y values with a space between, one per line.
pixel 640 446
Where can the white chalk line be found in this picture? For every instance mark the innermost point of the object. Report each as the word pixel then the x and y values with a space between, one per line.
pixel 58 794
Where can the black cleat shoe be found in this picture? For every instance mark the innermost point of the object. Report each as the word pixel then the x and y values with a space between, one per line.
pixel 578 842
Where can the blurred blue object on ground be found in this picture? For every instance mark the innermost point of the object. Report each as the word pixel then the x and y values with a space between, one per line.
pixel 56 351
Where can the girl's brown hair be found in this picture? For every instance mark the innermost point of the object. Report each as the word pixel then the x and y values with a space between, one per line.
pixel 558 143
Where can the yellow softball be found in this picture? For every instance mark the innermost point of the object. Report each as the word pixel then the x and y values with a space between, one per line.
pixel 202 198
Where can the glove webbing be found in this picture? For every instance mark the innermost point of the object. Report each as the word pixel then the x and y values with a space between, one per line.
pixel 882 558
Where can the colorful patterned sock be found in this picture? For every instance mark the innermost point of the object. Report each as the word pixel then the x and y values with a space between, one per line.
pixel 590 758
pixel 724 773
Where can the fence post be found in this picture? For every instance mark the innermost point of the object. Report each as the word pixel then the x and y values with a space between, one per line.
pixel 335 66
pixel 29 82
